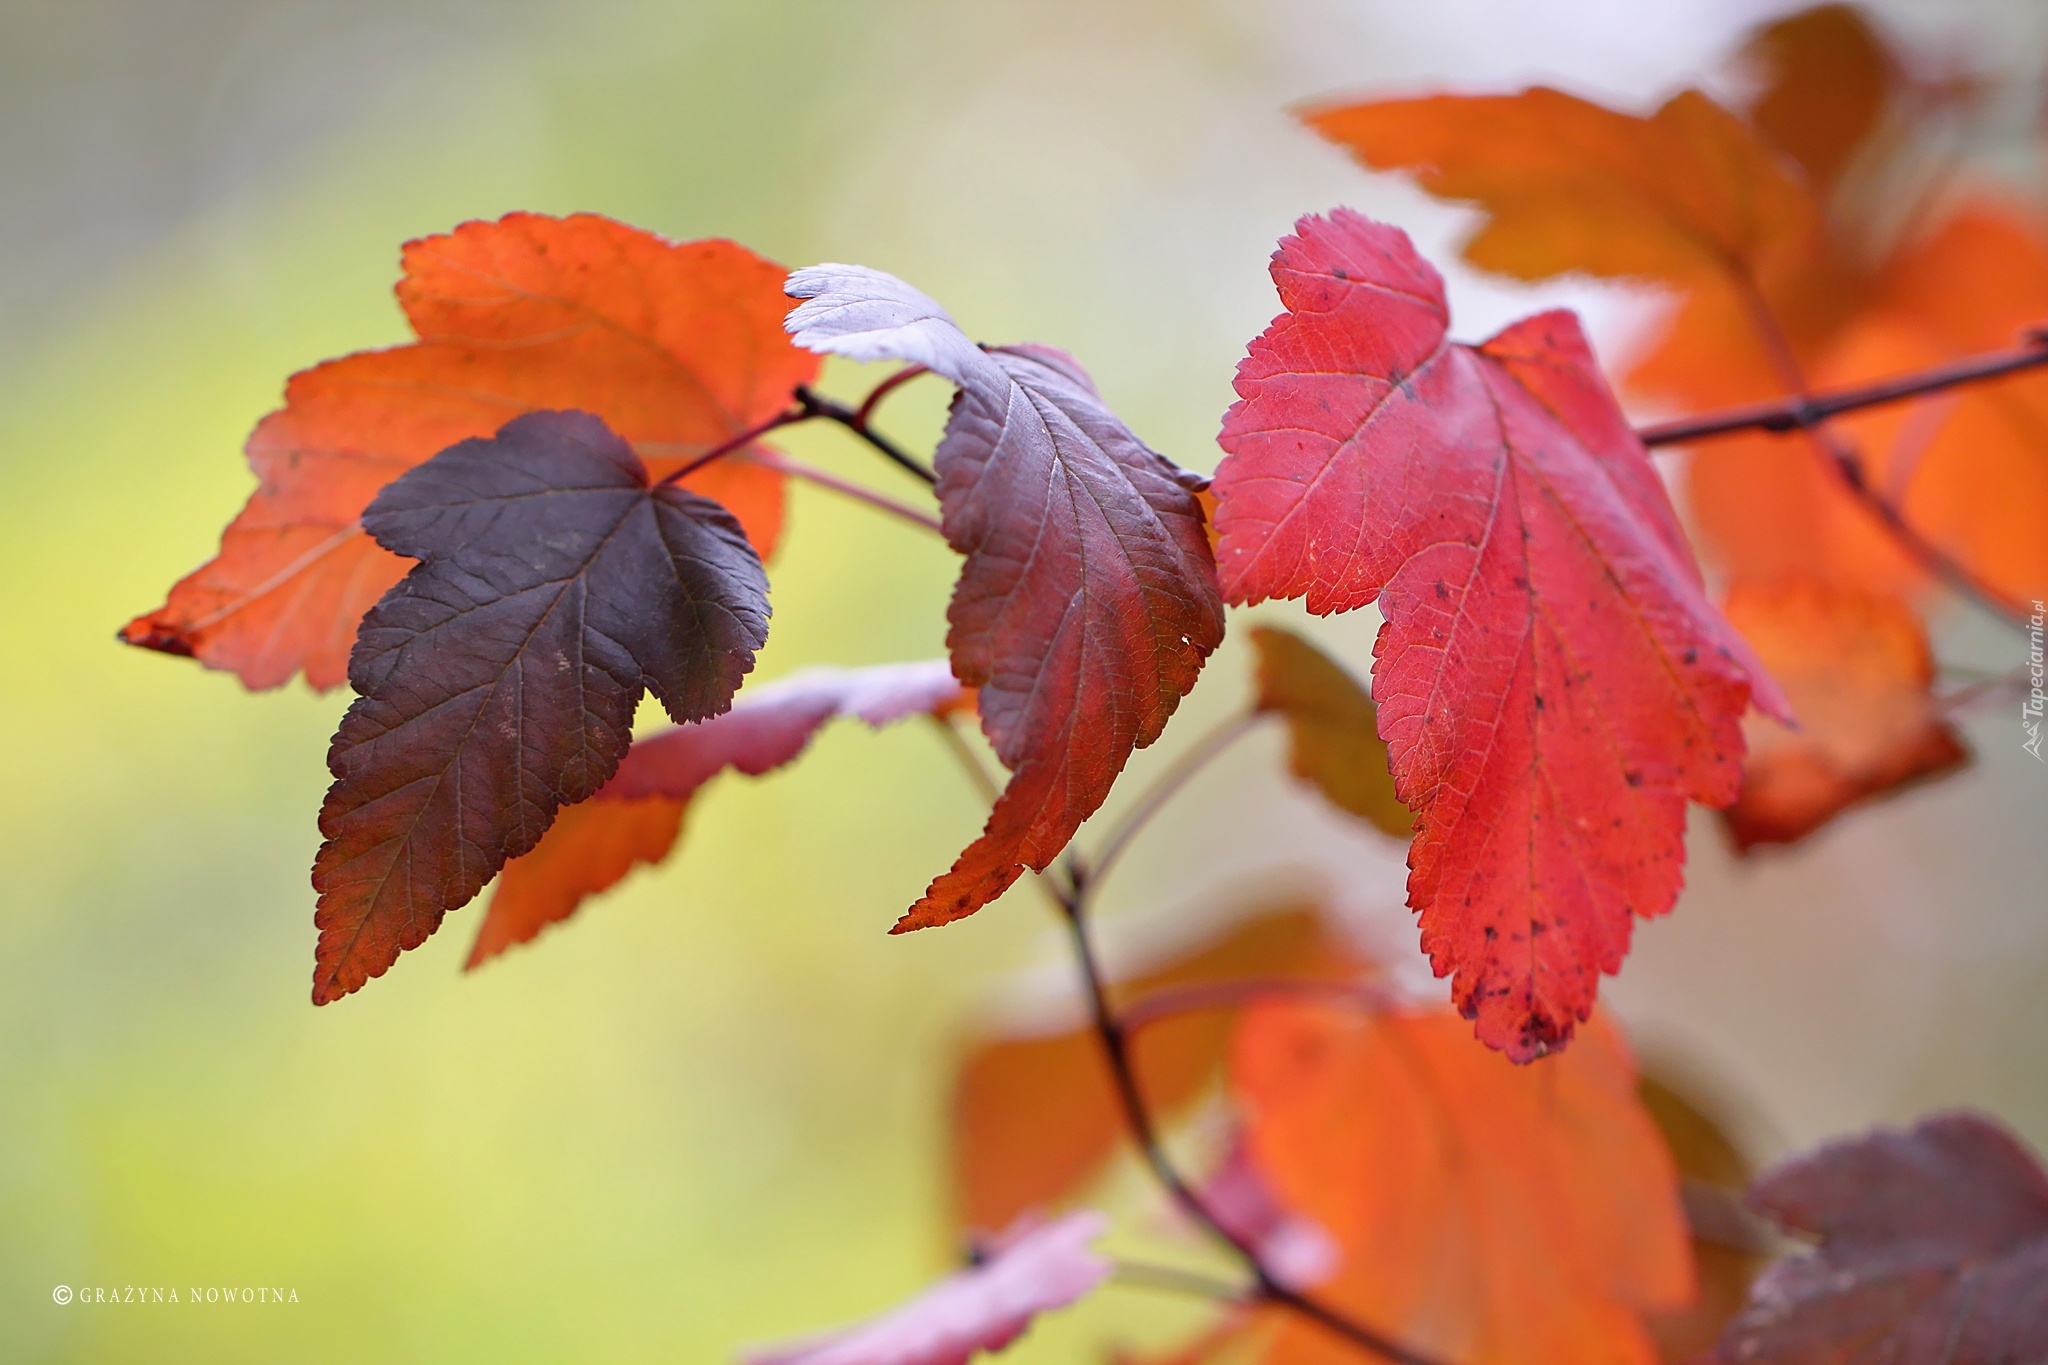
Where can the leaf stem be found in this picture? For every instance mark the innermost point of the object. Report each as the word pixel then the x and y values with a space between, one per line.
pixel 788 417
pixel 1219 995
pixel 1145 1275
pixel 1793 414
pixel 970 762
pixel 797 469
pixel 866 411
pixel 1115 1040
pixel 1168 785
pixel 855 420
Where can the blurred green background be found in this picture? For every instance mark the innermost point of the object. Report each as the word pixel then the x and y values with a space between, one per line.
pixel 708 1111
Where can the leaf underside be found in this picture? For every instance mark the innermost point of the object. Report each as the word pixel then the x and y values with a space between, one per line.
pixel 1087 601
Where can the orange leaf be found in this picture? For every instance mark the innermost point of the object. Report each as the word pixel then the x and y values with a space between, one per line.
pixel 1567 185
pixel 1333 737
pixel 1489 1214
pixel 1828 79
pixel 1856 667
pixel 677 346
pixel 1034 1115
pixel 1769 509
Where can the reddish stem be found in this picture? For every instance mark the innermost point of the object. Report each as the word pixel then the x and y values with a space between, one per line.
pixel 866 411
pixel 787 418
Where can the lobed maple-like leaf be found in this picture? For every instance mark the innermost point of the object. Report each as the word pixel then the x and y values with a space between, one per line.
pixel 635 817
pixel 1857 670
pixel 1932 1250
pixel 677 346
pixel 1568 185
pixel 1034 1112
pixel 1334 742
pixel 498 679
pixel 1087 602
pixel 1551 681
pixel 1031 1269
pixel 1486 1214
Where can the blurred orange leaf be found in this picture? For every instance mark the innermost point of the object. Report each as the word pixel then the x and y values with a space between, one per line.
pixel 1856 668
pixel 677 346
pixel 1488 1214
pixel 1568 185
pixel 1034 1115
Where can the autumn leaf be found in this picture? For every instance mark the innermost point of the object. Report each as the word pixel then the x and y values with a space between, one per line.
pixel 635 817
pixel 1768 509
pixel 1932 1250
pixel 1034 1114
pixel 1087 602
pixel 1826 80
pixel 1333 742
pixel 1487 1214
pixel 1552 683
pixel 1567 185
pixel 677 346
pixel 1857 670
pixel 498 679
pixel 1031 1269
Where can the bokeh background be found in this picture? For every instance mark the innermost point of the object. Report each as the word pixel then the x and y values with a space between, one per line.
pixel 710 1110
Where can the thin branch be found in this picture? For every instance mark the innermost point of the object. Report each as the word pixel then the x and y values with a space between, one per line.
pixel 1109 1029
pixel 1166 786
pixel 855 420
pixel 1840 458
pixel 1952 703
pixel 866 411
pixel 970 762
pixel 797 469
pixel 1223 995
pixel 1792 414
pixel 1145 1275
pixel 789 417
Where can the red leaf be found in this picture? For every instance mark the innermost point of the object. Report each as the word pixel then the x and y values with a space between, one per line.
pixel 499 679
pixel 1551 681
pixel 677 346
pixel 983 1308
pixel 637 815
pixel 1088 600
pixel 1933 1248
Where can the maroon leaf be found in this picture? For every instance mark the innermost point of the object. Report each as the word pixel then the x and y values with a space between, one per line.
pixel 1933 1248
pixel 637 815
pixel 499 677
pixel 1551 681
pixel 1030 1270
pixel 1088 600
